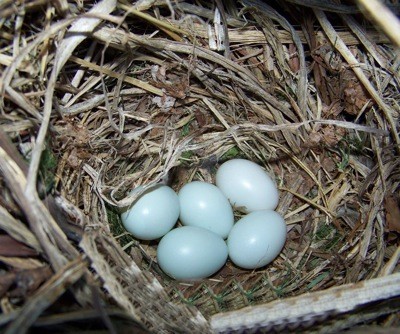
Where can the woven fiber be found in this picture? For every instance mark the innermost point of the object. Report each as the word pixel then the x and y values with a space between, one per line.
pixel 99 98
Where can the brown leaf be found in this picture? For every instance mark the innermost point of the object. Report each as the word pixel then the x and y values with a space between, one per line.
pixel 11 247
pixel 73 132
pixel 20 263
pixel 28 281
pixel 23 283
pixel 200 118
pixel 294 62
pixel 332 135
pixel 392 214
pixel 73 159
pixel 355 95
pixel 332 110
pixel 6 280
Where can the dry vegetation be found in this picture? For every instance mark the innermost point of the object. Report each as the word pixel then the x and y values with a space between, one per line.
pixel 99 98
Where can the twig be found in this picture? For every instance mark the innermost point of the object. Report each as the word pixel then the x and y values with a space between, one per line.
pixel 67 46
pixel 80 73
pixel 392 263
pixel 20 100
pixel 383 17
pixel 46 296
pixel 354 64
pixel 308 308
pixel 159 45
pixel 135 82
pixel 17 230
pixel 158 23
pixel 41 222
pixel 364 39
pixel 302 82
pixel 326 6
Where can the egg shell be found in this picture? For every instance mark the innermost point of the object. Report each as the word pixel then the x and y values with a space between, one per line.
pixel 190 252
pixel 153 214
pixel 247 185
pixel 204 205
pixel 257 239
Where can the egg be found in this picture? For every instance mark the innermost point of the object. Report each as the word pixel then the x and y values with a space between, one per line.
pixel 247 185
pixel 257 239
pixel 204 205
pixel 153 214
pixel 190 252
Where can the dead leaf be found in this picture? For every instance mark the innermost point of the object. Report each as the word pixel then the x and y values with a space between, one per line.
pixel 73 132
pixel 329 164
pixel 21 263
pixel 136 255
pixel 24 282
pixel 6 280
pixel 392 214
pixel 164 102
pixel 355 95
pixel 332 135
pixel 11 247
pixel 332 110
pixel 73 159
pixel 27 281
pixel 294 62
pixel 200 118
pixel 306 185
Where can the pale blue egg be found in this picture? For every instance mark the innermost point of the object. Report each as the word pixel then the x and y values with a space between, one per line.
pixel 153 214
pixel 247 185
pixel 204 205
pixel 190 252
pixel 257 239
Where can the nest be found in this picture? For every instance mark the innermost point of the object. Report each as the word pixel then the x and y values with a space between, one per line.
pixel 100 98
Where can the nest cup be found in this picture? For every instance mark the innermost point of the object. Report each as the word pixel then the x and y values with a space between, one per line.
pixel 165 93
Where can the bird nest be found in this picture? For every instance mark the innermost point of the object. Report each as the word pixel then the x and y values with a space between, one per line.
pixel 100 98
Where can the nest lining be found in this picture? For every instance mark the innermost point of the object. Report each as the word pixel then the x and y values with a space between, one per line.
pixel 141 103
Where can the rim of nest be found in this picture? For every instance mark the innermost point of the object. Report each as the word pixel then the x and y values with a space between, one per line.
pixel 163 107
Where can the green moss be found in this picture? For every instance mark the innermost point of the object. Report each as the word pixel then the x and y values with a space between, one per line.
pixel 187 155
pixel 116 227
pixel 232 153
pixel 333 242
pixel 350 145
pixel 313 263
pixel 317 280
pixel 186 158
pixel 328 233
pixel 191 300
pixel 48 160
pixel 47 168
pixel 185 130
pixel 356 143
pixel 286 278
pixel 323 232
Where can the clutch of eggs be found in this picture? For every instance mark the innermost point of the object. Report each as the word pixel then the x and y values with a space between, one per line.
pixel 153 214
pixel 247 185
pixel 198 249
pixel 191 252
pixel 257 239
pixel 204 205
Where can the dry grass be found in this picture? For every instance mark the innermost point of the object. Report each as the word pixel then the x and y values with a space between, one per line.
pixel 99 99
